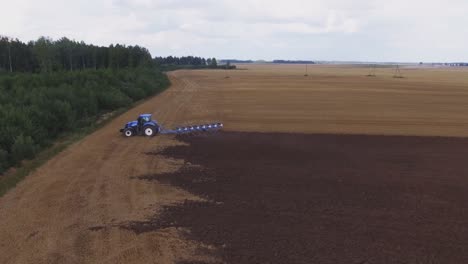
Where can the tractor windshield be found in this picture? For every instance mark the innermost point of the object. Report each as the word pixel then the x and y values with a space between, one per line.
pixel 145 119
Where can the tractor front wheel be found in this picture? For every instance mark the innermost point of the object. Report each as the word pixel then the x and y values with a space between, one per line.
pixel 128 132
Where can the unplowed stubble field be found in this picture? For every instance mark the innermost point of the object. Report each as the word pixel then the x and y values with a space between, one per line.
pixel 339 99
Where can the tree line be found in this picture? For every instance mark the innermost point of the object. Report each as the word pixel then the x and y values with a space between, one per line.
pixel 190 62
pixel 47 55
pixel 293 62
pixel 236 61
pixel 186 61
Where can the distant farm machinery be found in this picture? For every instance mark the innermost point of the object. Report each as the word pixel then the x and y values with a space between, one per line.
pixel 145 126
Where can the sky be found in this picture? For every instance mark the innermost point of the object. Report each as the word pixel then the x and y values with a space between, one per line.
pixel 340 30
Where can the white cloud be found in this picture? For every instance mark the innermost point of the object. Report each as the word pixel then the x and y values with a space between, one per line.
pixel 399 30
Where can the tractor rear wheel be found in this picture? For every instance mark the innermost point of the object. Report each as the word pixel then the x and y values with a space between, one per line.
pixel 149 131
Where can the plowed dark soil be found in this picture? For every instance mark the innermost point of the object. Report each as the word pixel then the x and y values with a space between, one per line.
pixel 284 198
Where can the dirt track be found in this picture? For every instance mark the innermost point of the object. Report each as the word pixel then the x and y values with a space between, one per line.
pixel 72 209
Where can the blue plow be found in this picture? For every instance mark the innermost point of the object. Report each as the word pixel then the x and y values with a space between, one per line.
pixel 193 129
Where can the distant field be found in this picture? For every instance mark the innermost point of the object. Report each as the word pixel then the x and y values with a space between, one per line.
pixel 334 99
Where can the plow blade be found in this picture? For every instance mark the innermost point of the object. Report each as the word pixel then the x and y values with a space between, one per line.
pixel 194 129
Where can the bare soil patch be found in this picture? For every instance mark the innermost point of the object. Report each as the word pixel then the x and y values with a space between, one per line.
pixel 292 198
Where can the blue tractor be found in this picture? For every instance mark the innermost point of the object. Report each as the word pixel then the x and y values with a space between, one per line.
pixel 144 125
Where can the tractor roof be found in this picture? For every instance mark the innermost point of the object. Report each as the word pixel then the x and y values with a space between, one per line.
pixel 145 115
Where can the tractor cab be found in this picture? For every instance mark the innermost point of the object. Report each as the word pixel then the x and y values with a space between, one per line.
pixel 143 119
pixel 144 125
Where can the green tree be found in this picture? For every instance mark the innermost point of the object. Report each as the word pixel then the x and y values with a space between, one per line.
pixel 44 51
pixel 23 148
pixel 213 63
pixel 4 164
